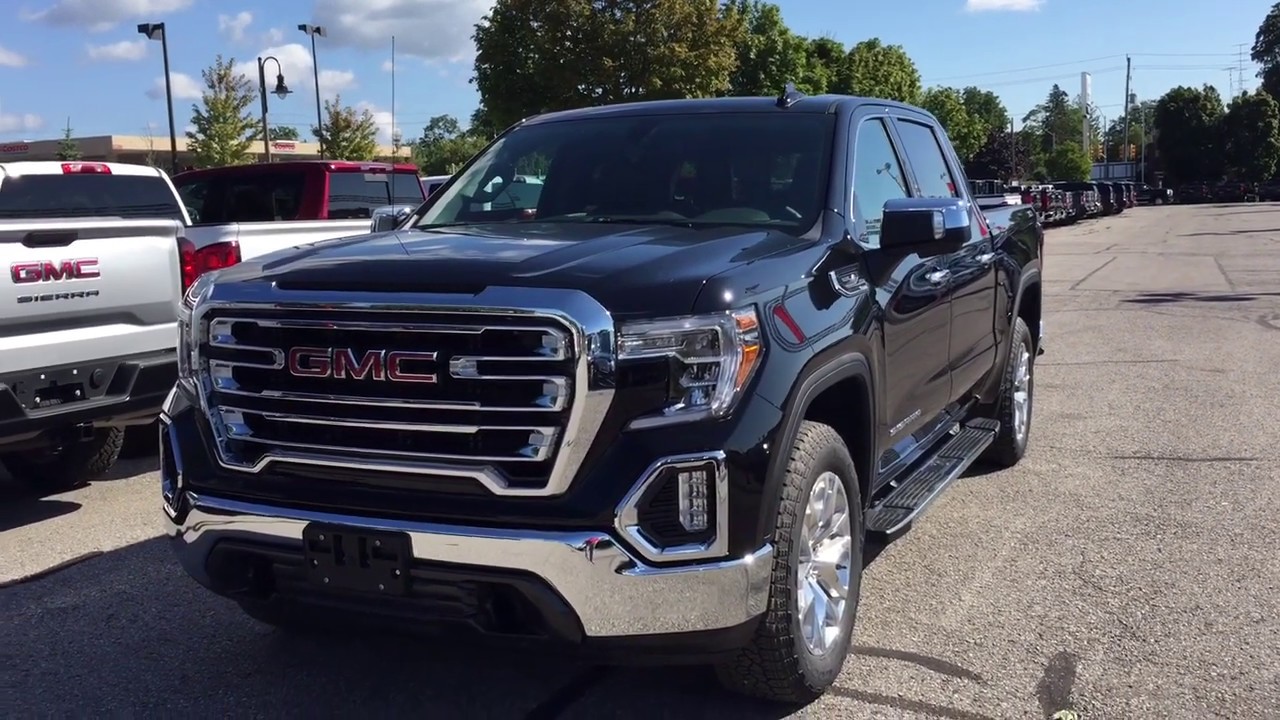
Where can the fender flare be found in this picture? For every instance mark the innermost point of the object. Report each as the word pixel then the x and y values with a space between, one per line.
pixel 813 383
pixel 1029 276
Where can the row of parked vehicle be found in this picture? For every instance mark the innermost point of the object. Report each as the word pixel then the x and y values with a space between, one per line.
pixel 1227 192
pixel 1063 203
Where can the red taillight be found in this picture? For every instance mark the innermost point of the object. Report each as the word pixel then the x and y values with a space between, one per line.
pixel 198 261
pixel 81 168
pixel 1026 198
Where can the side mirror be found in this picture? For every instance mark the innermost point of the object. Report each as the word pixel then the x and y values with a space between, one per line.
pixel 389 218
pixel 925 226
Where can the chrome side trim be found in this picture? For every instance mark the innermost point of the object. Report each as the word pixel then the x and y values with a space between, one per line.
pixel 589 340
pixel 627 518
pixel 613 593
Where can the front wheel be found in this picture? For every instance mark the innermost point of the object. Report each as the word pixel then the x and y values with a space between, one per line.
pixel 803 639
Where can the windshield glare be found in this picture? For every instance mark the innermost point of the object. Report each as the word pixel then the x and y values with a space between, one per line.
pixel 699 170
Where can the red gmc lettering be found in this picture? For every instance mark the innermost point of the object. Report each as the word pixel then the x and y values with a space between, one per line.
pixel 49 271
pixel 310 362
pixel 345 365
pixel 397 373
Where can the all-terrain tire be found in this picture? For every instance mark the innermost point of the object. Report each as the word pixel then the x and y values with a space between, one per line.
pixel 777 665
pixel 1011 442
pixel 68 467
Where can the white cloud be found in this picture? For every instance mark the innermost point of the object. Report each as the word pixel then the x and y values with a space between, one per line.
pixel 296 66
pixel 185 87
pixel 428 29
pixel 125 50
pixel 274 36
pixel 20 122
pixel 387 66
pixel 9 58
pixel 233 26
pixel 100 15
pixel 382 118
pixel 1002 5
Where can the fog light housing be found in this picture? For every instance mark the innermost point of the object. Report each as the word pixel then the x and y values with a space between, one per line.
pixel 679 509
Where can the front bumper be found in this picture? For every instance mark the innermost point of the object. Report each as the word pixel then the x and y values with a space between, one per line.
pixel 604 591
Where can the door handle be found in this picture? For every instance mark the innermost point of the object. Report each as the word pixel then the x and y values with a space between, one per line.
pixel 938 277
pixel 986 258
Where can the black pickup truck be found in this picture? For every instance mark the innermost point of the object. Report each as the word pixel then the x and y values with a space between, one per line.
pixel 656 405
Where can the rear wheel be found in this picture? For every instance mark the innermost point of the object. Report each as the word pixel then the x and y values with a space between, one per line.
pixel 803 639
pixel 1016 402
pixel 69 466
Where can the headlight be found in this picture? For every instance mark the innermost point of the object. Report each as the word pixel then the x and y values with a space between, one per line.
pixel 714 355
pixel 186 342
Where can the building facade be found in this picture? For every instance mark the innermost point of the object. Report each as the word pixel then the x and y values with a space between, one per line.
pixel 154 150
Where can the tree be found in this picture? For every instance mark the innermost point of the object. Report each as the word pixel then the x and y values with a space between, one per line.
pixel 1266 51
pixel 347 134
pixel 967 133
pixel 1114 135
pixel 534 56
pixel 1055 121
pixel 1004 155
pixel 1187 121
pixel 1068 162
pixel 824 62
pixel 985 106
pixel 224 126
pixel 873 69
pixel 68 149
pixel 284 132
pixel 1251 136
pixel 769 55
pixel 445 146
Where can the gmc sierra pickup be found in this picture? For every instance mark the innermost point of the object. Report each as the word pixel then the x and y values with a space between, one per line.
pixel 96 264
pixel 659 408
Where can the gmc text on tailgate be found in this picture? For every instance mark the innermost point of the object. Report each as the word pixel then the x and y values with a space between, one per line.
pixel 654 405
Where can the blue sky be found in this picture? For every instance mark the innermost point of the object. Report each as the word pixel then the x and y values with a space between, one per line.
pixel 83 59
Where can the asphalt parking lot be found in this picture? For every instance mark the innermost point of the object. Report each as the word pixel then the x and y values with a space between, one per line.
pixel 1127 569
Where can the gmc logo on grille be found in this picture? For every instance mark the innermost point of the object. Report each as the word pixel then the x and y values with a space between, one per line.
pixel 48 271
pixel 346 364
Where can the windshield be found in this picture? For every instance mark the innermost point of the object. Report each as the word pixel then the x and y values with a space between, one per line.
pixel 697 170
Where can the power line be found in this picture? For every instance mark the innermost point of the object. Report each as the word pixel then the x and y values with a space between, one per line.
pixel 935 81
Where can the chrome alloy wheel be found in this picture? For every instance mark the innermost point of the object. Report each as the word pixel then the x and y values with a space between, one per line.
pixel 822 592
pixel 1022 394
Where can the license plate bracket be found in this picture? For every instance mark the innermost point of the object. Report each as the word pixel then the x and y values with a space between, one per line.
pixel 356 559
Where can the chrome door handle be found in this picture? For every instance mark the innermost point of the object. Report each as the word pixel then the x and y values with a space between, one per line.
pixel 938 277
pixel 986 258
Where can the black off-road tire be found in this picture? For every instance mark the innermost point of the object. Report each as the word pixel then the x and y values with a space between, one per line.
pixel 1008 448
pixel 776 665
pixel 60 469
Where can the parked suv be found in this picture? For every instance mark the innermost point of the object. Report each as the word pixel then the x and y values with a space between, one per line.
pixel 655 406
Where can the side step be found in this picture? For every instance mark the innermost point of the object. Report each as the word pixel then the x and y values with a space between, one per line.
pixel 923 486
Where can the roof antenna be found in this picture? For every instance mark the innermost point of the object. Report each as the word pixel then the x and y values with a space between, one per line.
pixel 790 96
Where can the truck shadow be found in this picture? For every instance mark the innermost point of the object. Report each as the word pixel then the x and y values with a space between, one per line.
pixel 126 632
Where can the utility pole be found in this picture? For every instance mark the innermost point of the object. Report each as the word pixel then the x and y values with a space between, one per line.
pixel 1013 153
pixel 1128 71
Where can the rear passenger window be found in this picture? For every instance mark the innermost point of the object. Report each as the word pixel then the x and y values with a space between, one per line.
pixel 925 154
pixel 354 195
pixel 877 178
pixel 265 197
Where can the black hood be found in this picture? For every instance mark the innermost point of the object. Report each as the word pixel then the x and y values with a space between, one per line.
pixel 630 269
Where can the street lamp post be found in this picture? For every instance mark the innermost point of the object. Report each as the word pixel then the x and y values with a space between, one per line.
pixel 313 31
pixel 282 91
pixel 155 31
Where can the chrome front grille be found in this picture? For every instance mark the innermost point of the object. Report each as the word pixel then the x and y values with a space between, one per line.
pixel 505 397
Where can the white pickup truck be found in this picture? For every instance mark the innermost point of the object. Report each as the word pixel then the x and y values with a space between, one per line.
pixel 96 265
pixel 269 207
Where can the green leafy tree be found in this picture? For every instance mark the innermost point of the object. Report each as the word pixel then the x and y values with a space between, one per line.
pixel 769 55
pixel 824 62
pixel 225 127
pixel 1140 119
pixel 985 106
pixel 68 149
pixel 535 56
pixel 967 132
pixel 347 134
pixel 1068 162
pixel 284 132
pixel 444 146
pixel 1003 156
pixel 1187 122
pixel 1055 121
pixel 1251 136
pixel 873 69
pixel 1266 51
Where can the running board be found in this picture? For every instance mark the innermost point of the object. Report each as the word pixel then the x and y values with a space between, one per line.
pixel 906 501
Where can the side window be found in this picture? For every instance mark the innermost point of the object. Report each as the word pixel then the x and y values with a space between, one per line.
pixel 354 195
pixel 194 196
pixel 925 153
pixel 877 178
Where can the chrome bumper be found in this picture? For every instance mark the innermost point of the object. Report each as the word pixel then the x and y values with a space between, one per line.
pixel 613 593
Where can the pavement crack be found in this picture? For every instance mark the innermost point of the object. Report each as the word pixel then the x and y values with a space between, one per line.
pixel 1093 272
pixel 42 574
pixel 908 705
pixel 937 665
pixel 1175 458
